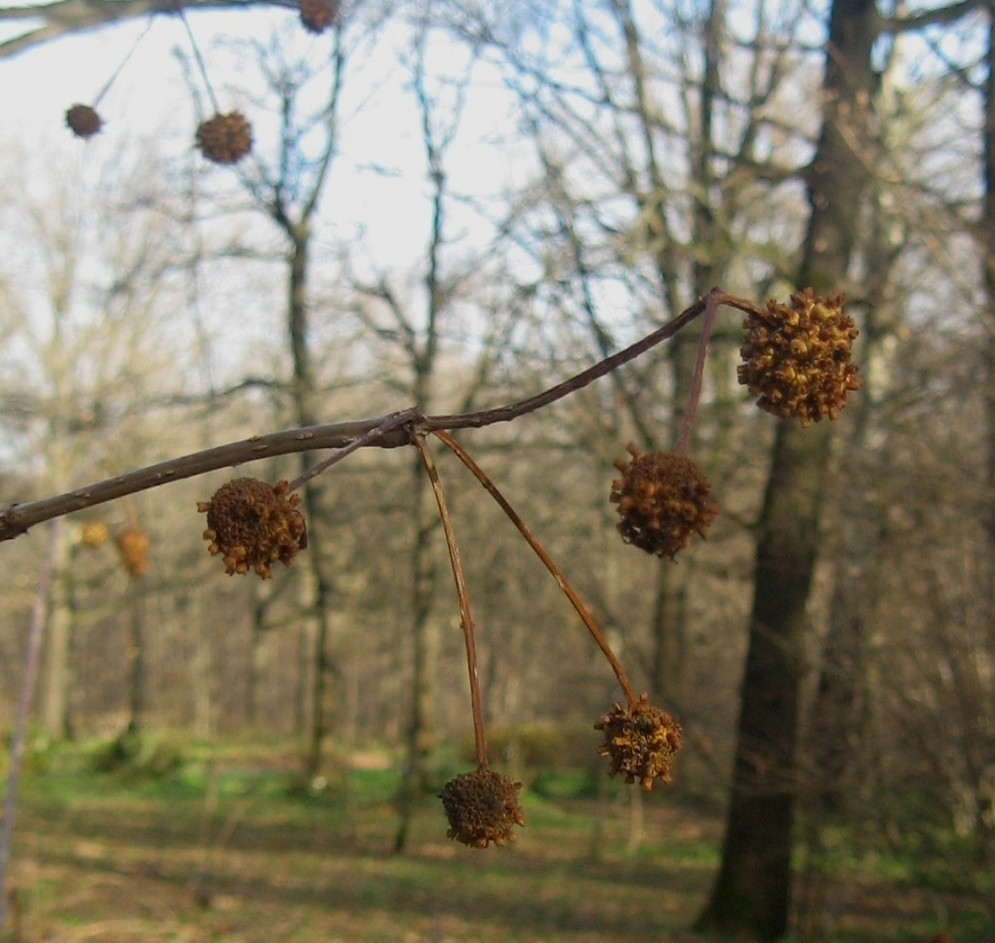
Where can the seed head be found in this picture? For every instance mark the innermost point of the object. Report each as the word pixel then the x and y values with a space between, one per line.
pixel 640 742
pixel 225 139
pixel 252 524
pixel 796 358
pixel 318 15
pixel 133 545
pixel 83 121
pixel 662 499
pixel 482 807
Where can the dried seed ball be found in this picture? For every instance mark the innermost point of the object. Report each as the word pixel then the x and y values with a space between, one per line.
pixel 796 358
pixel 93 534
pixel 133 545
pixel 84 121
pixel 482 807
pixel 252 524
pixel 662 499
pixel 318 15
pixel 225 139
pixel 640 742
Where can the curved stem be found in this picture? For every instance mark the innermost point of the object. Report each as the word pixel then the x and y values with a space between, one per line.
pixel 464 602
pixel 540 551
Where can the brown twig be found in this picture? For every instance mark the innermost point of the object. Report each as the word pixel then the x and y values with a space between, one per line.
pixel 391 422
pixel 712 301
pixel 561 580
pixel 18 518
pixel 464 601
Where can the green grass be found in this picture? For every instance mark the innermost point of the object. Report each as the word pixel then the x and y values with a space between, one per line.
pixel 229 847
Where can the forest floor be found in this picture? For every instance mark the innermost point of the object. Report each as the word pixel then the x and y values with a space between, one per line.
pixel 227 850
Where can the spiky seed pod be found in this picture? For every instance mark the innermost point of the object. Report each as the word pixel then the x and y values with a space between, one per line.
pixel 662 499
pixel 83 121
pixel 133 545
pixel 640 742
pixel 252 524
pixel 482 806
pixel 93 534
pixel 225 139
pixel 796 358
pixel 318 15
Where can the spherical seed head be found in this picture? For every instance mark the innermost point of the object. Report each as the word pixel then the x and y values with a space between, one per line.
pixel 83 121
pixel 133 545
pixel 662 499
pixel 318 15
pixel 252 525
pixel 796 358
pixel 482 807
pixel 225 139
pixel 94 534
pixel 640 742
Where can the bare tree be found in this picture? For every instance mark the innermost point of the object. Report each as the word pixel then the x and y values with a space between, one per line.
pixel 82 365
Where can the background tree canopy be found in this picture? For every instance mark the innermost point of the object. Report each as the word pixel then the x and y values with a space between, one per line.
pixel 454 207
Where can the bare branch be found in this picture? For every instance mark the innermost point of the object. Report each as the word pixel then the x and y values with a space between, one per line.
pixel 18 518
pixel 66 17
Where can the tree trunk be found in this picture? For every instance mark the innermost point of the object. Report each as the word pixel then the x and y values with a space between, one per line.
pixel 988 249
pixel 425 642
pixel 986 824
pixel 202 676
pixel 752 889
pixel 259 650
pixel 58 670
pixel 315 591
pixel 138 676
pixel 752 892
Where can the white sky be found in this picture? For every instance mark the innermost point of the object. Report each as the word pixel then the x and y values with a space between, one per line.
pixel 150 98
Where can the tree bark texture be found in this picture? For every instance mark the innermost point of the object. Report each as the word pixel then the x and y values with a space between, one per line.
pixel 752 893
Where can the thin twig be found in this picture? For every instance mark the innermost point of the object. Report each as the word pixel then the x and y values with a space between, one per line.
pixel 200 61
pixel 124 62
pixel 464 602
pixel 561 580
pixel 712 301
pixel 23 709
pixel 391 422
pixel 18 518
pixel 601 368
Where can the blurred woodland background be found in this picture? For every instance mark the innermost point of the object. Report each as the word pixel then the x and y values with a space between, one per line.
pixel 635 155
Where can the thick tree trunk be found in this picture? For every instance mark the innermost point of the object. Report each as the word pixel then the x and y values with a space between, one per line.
pixel 752 892
pixel 985 825
pixel 752 889
pixel 988 250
